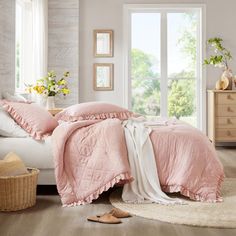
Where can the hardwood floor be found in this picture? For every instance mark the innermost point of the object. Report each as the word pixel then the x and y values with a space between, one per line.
pixel 227 156
pixel 48 218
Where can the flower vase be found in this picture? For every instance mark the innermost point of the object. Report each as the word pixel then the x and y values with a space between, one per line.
pixel 227 79
pixel 50 104
pixel 40 100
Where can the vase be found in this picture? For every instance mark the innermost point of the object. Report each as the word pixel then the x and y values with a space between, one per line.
pixel 50 104
pixel 39 99
pixel 227 78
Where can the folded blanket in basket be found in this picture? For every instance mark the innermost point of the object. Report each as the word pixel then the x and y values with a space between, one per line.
pixel 12 165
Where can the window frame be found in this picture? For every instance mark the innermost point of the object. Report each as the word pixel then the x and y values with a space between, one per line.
pixel 128 9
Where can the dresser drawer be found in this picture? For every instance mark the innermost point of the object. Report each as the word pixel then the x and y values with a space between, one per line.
pixel 226 135
pixel 225 122
pixel 226 110
pixel 226 98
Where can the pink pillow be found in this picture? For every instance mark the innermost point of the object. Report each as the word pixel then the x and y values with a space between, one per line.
pixel 34 119
pixel 93 111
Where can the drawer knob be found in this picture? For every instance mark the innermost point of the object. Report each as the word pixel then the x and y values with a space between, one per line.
pixel 228 109
pixel 228 96
pixel 228 121
pixel 228 133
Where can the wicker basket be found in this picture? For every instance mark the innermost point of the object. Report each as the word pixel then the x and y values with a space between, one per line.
pixel 18 192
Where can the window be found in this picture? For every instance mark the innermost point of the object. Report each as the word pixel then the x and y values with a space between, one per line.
pixel 31 41
pixel 164 72
pixel 24 44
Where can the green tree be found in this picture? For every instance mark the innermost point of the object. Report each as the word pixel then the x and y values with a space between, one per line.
pixel 142 64
pixel 188 40
pixel 145 86
pixel 181 98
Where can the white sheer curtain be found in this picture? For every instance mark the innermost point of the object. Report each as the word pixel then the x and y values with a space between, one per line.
pixel 31 40
pixel 40 37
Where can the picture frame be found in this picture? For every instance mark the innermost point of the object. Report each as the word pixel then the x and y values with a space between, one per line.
pixel 103 42
pixel 103 76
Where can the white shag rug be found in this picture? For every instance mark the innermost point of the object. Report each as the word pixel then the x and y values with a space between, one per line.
pixel 220 215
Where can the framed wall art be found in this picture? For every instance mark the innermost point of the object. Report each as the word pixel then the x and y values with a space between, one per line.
pixel 103 43
pixel 103 76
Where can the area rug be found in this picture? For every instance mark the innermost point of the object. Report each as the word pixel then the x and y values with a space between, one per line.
pixel 220 215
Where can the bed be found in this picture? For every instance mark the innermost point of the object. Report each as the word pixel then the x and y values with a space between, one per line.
pixel 34 154
pixel 87 152
pixel 91 156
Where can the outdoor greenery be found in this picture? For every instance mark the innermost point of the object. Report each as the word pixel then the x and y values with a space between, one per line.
pixel 181 101
pixel 146 83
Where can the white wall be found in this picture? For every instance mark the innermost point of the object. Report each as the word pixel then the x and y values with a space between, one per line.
pixel 95 14
pixel 7 44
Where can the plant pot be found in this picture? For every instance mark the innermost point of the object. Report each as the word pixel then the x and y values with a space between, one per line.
pixel 50 104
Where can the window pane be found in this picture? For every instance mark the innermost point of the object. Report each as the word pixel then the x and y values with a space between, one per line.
pixel 145 45
pixel 182 41
pixel 181 66
pixel 24 44
pixel 182 100
pixel 146 96
pixel 145 63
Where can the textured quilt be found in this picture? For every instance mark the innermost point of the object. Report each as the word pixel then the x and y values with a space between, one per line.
pixel 187 162
pixel 90 157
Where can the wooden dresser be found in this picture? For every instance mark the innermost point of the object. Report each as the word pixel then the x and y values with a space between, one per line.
pixel 221 115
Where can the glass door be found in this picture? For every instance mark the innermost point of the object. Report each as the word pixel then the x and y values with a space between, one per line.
pixel 165 64
pixel 145 63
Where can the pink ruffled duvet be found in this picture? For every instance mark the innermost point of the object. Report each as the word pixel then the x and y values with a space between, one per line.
pixel 91 156
pixel 187 162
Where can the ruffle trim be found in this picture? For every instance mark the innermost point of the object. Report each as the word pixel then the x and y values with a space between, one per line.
pixel 99 116
pixel 122 177
pixel 195 196
pixel 25 102
pixel 23 124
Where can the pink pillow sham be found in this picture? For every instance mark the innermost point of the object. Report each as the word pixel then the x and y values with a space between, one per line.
pixel 93 111
pixel 34 119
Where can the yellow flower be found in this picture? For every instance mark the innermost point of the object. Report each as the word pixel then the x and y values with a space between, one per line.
pixel 67 73
pixel 29 89
pixel 62 82
pixel 39 89
pixel 65 91
pixel 50 84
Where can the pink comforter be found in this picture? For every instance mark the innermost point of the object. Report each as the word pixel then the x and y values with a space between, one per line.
pixel 187 162
pixel 91 156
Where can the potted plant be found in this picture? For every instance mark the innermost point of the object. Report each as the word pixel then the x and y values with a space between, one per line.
pixel 220 58
pixel 49 87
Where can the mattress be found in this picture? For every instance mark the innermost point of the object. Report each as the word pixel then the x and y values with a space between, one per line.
pixel 33 153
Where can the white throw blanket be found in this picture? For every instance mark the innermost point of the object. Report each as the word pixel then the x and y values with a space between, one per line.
pixel 146 186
